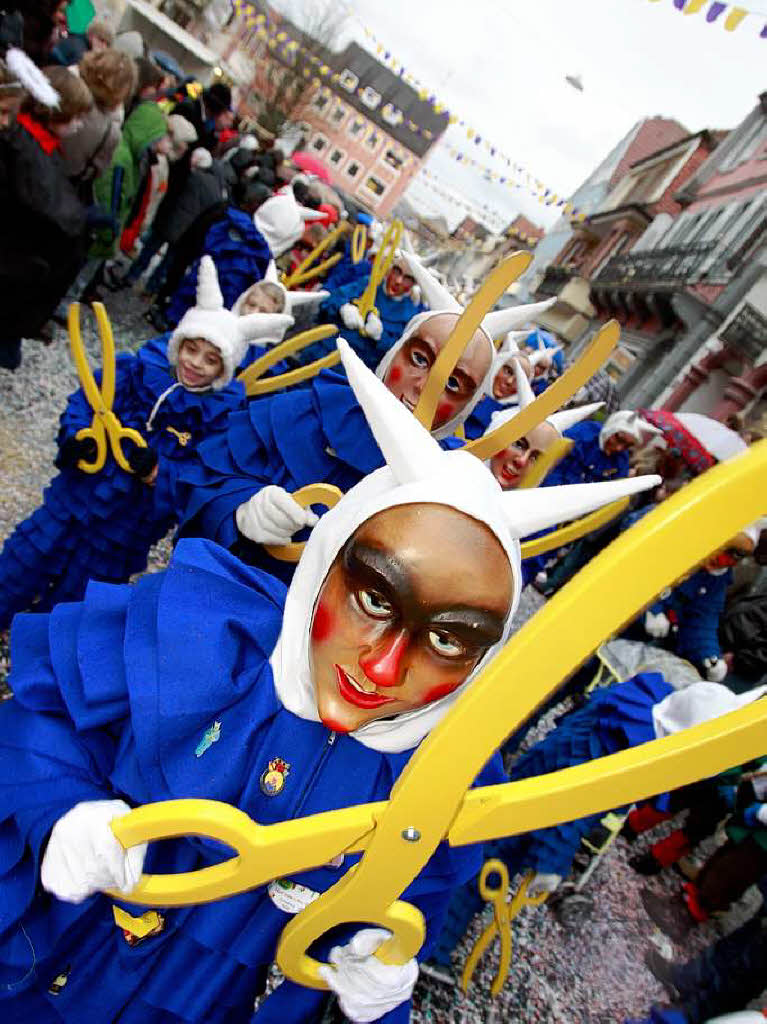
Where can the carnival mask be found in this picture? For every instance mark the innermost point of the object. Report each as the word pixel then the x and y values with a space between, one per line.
pixel 508 467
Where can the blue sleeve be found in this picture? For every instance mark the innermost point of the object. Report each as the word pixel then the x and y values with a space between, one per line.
pixel 329 309
pixel 698 636
pixel 78 412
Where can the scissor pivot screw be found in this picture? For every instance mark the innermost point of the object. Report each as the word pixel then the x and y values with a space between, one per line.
pixel 411 835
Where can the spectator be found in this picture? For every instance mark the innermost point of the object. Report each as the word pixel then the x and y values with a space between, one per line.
pixel 11 94
pixel 210 113
pixel 42 232
pixel 71 50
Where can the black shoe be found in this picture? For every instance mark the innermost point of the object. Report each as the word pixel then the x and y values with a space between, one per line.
pixel 661 969
pixel 645 864
pixel 669 913
pixel 154 316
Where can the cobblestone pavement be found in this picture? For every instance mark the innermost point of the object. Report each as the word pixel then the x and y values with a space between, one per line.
pixel 591 972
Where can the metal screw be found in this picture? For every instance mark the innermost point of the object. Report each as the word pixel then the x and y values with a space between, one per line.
pixel 411 835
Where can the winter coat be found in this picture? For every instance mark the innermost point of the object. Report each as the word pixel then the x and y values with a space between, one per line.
pixel 202 189
pixel 115 697
pixel 117 188
pixel 89 152
pixel 42 229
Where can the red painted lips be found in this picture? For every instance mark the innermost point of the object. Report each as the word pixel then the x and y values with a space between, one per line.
pixel 350 693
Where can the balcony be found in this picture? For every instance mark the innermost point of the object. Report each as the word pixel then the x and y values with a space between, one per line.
pixel 553 280
pixel 656 266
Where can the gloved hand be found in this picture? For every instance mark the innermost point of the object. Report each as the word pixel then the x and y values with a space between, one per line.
pixel 543 883
pixel 272 516
pixel 658 625
pixel 366 987
pixel 351 316
pixel 72 450
pixel 373 327
pixel 716 669
pixel 97 218
pixel 142 460
pixel 541 578
pixel 83 856
pixel 755 815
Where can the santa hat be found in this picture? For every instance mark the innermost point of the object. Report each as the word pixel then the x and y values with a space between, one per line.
pixel 495 324
pixel 626 422
pixel 281 221
pixel 417 471
pixel 231 334
pixel 560 421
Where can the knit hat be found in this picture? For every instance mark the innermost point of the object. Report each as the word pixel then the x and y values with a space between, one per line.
pixel 210 320
pixel 218 97
pixel 181 130
pixel 417 471
pixel 281 221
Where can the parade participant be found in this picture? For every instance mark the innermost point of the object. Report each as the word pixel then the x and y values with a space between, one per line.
pixel 43 228
pixel 616 717
pixel 101 526
pixel 395 309
pixel 502 384
pixel 236 490
pixel 12 86
pixel 210 680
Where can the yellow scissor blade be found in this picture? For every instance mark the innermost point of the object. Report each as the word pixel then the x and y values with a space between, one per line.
pixel 84 372
pixel 381 265
pixel 285 348
pixel 494 286
pixel 108 365
pixel 302 271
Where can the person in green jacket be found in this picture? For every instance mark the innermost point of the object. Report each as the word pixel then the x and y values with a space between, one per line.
pixel 145 133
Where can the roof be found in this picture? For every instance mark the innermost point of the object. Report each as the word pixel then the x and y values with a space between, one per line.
pixel 706 136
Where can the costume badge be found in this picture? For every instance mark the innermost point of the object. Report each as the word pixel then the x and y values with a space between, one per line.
pixel 273 779
pixel 211 735
pixel 182 436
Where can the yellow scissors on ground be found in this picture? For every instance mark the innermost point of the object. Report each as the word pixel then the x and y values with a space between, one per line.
pixel 503 914
pixel 105 424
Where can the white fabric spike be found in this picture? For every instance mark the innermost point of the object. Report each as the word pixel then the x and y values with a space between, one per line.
pixel 436 295
pixel 258 326
pixel 512 341
pixel 525 394
pixel 542 507
pixel 500 321
pixel 272 273
pixel 625 421
pixel 307 213
pixel 567 418
pixel 281 221
pixel 410 451
pixel 208 291
pixel 31 78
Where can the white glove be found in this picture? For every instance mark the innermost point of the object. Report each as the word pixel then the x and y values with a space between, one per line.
pixel 272 516
pixel 373 327
pixel 541 579
pixel 543 883
pixel 366 987
pixel 83 856
pixel 716 669
pixel 351 316
pixel 658 625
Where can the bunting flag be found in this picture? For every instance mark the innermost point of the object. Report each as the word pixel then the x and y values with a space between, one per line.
pixel 730 16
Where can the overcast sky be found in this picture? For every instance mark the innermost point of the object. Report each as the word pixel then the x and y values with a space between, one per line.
pixel 501 66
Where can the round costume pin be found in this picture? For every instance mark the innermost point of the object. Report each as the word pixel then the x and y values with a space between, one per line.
pixel 273 777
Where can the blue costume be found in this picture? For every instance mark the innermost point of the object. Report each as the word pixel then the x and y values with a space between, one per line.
pixel 241 255
pixel 615 718
pixel 549 341
pixel 586 462
pixel 479 421
pixel 303 436
pixel 346 272
pixel 101 526
pixel 395 314
pixel 112 698
pixel 695 606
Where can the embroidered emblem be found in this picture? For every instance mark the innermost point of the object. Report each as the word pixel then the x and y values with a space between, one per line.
pixel 136 929
pixel 60 981
pixel 211 735
pixel 182 436
pixel 273 779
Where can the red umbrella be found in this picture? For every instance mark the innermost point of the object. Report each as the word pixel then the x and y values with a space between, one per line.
pixel 312 165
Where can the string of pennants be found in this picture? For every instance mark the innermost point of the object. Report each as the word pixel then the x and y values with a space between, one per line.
pixel 729 16
pixel 435 184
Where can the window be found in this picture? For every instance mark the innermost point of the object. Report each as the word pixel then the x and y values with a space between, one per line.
pixel 336 157
pixel 373 140
pixel 356 127
pixel 338 114
pixel 394 159
pixel 320 102
pixel 747 146
pixel 391 114
pixel 375 186
pixel 352 169
pixel 370 97
pixel 319 142
pixel 348 80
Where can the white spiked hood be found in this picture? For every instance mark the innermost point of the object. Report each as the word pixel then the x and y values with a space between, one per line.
pixel 293 300
pixel 417 471
pixel 281 221
pixel 560 421
pixel 231 334
pixel 626 422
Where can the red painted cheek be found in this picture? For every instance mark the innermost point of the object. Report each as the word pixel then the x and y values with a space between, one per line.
pixel 440 690
pixel 395 375
pixel 322 624
pixel 444 412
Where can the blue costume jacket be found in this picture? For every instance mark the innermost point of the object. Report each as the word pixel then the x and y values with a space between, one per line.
pixel 241 255
pixel 696 606
pixel 479 421
pixel 395 314
pixel 102 525
pixel 345 272
pixel 112 698
pixel 303 436
pixel 587 463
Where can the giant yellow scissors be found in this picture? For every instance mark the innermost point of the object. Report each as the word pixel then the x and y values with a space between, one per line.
pixel 306 270
pixel 105 424
pixel 432 800
pixel 381 266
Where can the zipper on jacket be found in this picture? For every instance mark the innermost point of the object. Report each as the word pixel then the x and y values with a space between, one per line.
pixel 328 746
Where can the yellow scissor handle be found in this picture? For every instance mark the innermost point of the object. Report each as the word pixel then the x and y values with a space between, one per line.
pixel 105 423
pixel 495 894
pixel 500 925
pixel 312 494
pixel 494 286
pixel 359 243
pixel 289 347
pixel 553 455
pixel 319 271
pixel 303 272
pixel 381 265
pixel 575 530
pixel 267 385
pixel 605 595
pixel 598 352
